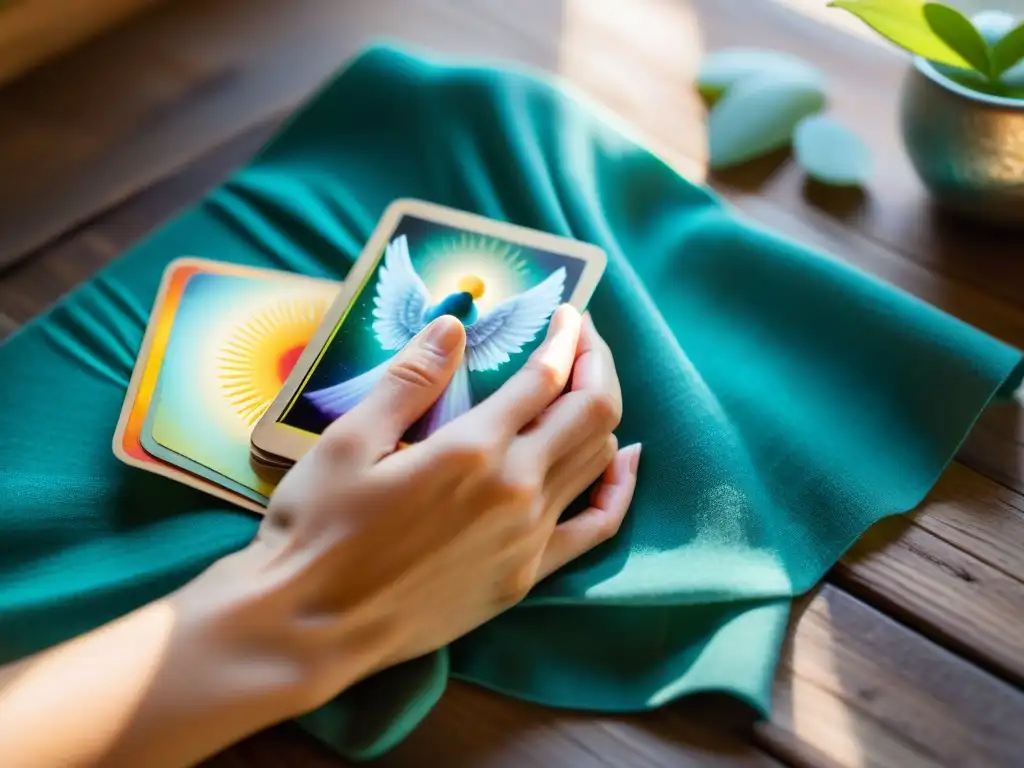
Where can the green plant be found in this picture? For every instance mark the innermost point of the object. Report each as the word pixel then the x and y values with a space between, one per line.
pixel 984 53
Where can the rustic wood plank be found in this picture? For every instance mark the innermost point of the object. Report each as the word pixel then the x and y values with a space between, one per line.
pixel 854 688
pixel 637 59
pixel 471 727
pixel 817 229
pixel 7 326
pixel 996 445
pixel 953 569
pixel 33 284
pixel 33 30
pixel 978 516
pixel 90 132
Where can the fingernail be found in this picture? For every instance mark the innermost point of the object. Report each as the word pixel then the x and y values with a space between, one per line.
pixel 443 335
pixel 634 457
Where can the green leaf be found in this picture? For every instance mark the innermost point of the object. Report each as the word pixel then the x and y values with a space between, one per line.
pixel 758 115
pixel 722 69
pixel 830 152
pixel 958 33
pixel 1008 51
pixel 903 23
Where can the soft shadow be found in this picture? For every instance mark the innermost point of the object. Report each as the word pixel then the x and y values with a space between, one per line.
pixel 982 253
pixel 472 727
pixel 995 447
pixel 751 176
pixel 272 475
pixel 839 202
pixel 144 499
pixel 874 540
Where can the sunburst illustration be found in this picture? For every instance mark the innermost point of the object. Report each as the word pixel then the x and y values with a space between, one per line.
pixel 254 363
pixel 497 269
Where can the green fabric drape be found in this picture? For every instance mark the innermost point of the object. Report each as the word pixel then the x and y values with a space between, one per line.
pixel 785 401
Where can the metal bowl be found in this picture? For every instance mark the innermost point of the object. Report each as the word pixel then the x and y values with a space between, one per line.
pixel 967 147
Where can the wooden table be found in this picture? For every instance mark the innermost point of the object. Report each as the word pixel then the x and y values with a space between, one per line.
pixel 910 653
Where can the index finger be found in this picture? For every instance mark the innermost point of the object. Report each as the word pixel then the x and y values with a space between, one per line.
pixel 539 382
pixel 593 405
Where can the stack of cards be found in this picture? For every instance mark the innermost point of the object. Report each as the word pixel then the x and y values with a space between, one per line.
pixel 242 369
pixel 221 341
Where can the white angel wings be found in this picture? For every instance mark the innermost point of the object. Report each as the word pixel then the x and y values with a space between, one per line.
pixel 401 308
pixel 402 299
pixel 402 303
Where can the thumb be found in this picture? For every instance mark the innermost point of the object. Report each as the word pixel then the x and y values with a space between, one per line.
pixel 414 380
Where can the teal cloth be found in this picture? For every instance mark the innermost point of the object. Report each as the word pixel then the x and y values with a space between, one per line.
pixel 785 401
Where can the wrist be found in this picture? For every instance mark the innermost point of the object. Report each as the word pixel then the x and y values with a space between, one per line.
pixel 272 647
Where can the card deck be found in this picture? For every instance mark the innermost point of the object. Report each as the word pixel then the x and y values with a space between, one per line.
pixel 259 494
pixel 267 459
pixel 423 260
pixel 241 369
pixel 221 339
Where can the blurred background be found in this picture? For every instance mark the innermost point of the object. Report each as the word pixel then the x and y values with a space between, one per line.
pixel 33 31
pixel 100 99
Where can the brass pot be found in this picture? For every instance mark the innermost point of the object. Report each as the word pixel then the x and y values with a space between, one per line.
pixel 967 147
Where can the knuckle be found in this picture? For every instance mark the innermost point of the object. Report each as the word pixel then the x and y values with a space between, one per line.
pixel 607 526
pixel 338 446
pixel 518 491
pixel 413 370
pixel 516 585
pixel 601 409
pixel 474 457
pixel 549 378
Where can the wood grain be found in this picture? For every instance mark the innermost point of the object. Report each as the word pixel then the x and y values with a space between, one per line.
pixel 995 447
pixel 472 728
pixel 90 132
pixel 35 283
pixel 977 516
pixel 855 688
pixel 31 31
pixel 943 591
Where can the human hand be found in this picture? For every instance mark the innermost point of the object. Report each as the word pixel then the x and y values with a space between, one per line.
pixel 369 557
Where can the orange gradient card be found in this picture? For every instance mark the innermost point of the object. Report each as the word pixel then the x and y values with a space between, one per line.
pixel 133 442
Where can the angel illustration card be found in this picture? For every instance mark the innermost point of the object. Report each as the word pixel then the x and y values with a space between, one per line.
pixel 502 281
